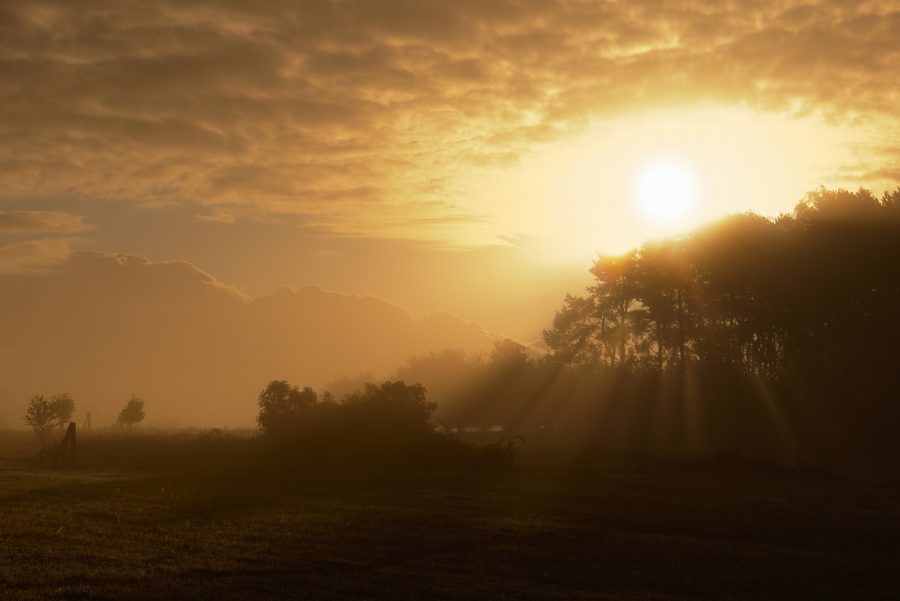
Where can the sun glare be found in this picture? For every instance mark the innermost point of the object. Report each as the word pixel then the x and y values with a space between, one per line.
pixel 660 173
pixel 665 191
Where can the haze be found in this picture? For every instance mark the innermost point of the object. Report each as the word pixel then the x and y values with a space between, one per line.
pixel 168 169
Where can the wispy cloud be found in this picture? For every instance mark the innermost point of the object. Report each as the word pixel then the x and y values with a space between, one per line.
pixel 45 222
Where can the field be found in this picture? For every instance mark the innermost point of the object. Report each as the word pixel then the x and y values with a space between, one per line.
pixel 245 530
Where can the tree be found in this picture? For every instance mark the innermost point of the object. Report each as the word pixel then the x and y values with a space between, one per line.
pixel 390 411
pixel 577 330
pixel 133 412
pixel 281 406
pixel 509 353
pixel 63 407
pixel 615 300
pixel 40 415
pixel 43 414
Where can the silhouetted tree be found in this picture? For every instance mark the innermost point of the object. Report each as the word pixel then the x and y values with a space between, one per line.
pixel 578 331
pixel 391 408
pixel 132 413
pixel 747 291
pixel 510 353
pixel 63 407
pixel 44 414
pixel 281 406
pixel 391 419
pixel 763 325
pixel 40 415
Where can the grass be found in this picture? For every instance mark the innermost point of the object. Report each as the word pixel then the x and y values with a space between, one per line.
pixel 251 530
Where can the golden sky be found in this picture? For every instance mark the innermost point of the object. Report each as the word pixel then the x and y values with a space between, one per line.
pixel 411 149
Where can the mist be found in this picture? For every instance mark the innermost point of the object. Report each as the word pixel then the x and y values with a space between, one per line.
pixel 104 327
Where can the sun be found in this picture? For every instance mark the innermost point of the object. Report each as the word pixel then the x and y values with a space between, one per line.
pixel 665 191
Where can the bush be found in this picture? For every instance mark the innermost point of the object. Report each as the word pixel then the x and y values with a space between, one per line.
pixel 390 422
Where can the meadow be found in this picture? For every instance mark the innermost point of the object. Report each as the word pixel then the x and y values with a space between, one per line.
pixel 205 515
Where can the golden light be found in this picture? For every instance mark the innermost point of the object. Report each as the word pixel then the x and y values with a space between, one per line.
pixel 665 191
pixel 658 173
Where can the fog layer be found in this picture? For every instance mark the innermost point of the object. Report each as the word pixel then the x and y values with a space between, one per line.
pixel 102 327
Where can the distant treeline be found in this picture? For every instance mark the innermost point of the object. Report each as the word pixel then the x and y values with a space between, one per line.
pixel 766 338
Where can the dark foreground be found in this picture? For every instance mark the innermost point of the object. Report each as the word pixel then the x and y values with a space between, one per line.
pixel 526 532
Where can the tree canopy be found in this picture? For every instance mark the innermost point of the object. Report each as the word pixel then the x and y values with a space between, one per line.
pixel 63 407
pixel 813 288
pixel 388 418
pixel 132 413
pixel 281 406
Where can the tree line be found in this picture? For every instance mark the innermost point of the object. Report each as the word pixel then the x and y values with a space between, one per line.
pixel 767 338
pixel 816 288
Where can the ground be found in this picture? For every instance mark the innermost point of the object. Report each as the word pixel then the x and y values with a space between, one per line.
pixel 541 531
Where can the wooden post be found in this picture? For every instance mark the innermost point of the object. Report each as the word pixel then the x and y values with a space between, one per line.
pixel 87 422
pixel 66 449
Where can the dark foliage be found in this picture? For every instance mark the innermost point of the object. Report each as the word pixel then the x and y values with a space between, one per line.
pixel 132 413
pixel 63 408
pixel 40 415
pixel 772 339
pixel 284 408
pixel 391 421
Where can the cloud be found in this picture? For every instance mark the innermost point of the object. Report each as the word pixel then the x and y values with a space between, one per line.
pixel 349 112
pixel 104 326
pixel 33 256
pixel 27 222
pixel 217 216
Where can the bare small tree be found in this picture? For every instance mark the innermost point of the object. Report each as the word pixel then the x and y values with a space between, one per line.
pixel 63 407
pixel 41 416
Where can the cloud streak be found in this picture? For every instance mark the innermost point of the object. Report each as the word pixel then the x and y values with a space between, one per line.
pixel 29 222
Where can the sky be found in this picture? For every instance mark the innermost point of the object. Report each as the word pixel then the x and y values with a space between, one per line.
pixel 467 156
